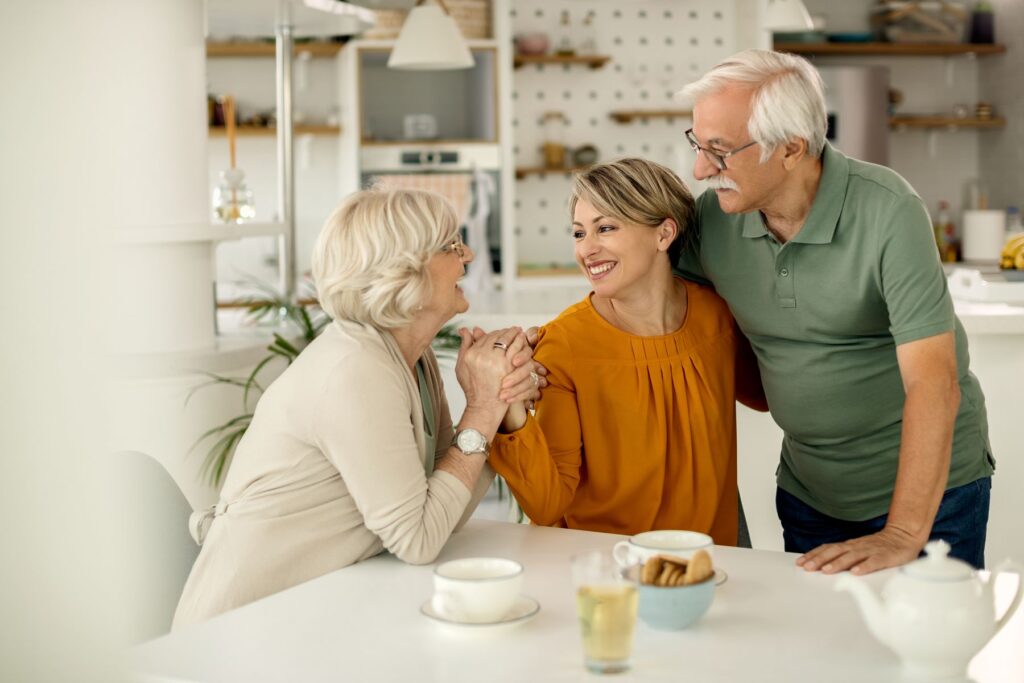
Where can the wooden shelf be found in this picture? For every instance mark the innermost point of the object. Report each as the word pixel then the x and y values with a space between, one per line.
pixel 592 61
pixel 899 122
pixel 540 170
pixel 263 131
pixel 257 49
pixel 628 116
pixel 891 49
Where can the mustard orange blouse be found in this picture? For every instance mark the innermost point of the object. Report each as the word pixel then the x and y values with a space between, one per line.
pixel 635 433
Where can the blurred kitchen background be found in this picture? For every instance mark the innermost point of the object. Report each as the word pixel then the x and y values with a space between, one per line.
pixel 148 196
pixel 207 141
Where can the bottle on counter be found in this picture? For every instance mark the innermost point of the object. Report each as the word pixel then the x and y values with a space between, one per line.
pixel 945 235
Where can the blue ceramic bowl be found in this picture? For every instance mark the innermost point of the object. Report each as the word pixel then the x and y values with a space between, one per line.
pixel 676 607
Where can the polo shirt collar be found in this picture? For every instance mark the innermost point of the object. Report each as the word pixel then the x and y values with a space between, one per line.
pixel 821 222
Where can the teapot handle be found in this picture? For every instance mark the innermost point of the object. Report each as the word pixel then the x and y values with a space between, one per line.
pixel 1009 566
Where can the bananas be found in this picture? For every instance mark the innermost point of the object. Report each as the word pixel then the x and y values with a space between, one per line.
pixel 1012 257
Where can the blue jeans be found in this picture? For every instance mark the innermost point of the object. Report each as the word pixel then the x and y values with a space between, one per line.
pixel 961 521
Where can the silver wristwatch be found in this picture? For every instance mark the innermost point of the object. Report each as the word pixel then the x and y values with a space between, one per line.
pixel 471 441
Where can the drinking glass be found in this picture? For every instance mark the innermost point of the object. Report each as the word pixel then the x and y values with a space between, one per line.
pixel 606 602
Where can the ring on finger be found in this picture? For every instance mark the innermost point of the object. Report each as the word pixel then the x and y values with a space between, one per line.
pixel 535 377
pixel 501 345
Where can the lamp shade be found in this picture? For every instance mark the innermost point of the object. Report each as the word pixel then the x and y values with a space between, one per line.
pixel 787 15
pixel 430 40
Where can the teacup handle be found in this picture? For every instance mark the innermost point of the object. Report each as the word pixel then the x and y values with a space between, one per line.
pixel 1009 566
pixel 447 605
pixel 622 554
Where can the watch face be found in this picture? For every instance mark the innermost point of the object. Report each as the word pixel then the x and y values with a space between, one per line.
pixel 471 441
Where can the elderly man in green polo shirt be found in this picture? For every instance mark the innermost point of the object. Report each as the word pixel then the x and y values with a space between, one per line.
pixel 829 266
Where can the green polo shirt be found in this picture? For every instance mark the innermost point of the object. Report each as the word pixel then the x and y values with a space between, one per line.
pixel 824 314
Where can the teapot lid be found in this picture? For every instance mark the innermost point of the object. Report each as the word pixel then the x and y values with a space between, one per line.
pixel 937 565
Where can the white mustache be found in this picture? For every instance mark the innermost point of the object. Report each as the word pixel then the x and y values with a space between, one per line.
pixel 718 182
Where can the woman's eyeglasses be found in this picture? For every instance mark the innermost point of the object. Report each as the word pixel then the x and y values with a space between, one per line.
pixel 456 246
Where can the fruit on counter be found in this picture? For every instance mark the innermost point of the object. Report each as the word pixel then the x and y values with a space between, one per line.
pixel 1012 256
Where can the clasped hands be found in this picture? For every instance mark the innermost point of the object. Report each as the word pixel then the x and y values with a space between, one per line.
pixel 496 369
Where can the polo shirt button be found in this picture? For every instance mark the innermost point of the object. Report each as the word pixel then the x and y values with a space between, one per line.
pixel 784 272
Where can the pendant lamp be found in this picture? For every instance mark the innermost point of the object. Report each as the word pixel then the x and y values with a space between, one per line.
pixel 787 15
pixel 430 40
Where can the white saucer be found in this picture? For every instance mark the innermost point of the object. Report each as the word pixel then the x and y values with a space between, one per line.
pixel 524 608
pixel 720 577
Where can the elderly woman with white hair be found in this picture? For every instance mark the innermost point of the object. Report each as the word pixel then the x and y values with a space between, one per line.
pixel 351 450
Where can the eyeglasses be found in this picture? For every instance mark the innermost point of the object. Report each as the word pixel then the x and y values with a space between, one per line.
pixel 716 158
pixel 456 246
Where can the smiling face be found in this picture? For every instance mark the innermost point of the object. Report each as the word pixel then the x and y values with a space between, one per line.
pixel 446 268
pixel 720 124
pixel 617 256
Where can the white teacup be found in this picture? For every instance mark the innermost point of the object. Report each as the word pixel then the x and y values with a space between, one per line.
pixel 666 542
pixel 476 590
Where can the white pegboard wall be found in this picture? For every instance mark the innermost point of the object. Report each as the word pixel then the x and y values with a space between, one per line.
pixel 656 47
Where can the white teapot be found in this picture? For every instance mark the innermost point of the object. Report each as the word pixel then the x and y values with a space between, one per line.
pixel 936 613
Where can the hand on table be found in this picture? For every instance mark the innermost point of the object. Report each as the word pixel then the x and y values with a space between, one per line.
pixel 889 547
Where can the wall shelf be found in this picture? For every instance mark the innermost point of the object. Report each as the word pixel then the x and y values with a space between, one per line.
pixel 540 170
pixel 628 116
pixel 891 49
pixel 259 49
pixel 592 61
pixel 267 131
pixel 948 122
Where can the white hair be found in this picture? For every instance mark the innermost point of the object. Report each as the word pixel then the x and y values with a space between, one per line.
pixel 369 262
pixel 788 102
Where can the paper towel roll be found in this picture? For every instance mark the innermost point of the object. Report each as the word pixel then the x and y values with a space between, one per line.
pixel 984 234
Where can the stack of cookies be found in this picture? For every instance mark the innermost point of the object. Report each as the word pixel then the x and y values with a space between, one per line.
pixel 667 570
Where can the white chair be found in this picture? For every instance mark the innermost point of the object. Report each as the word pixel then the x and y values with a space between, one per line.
pixel 152 523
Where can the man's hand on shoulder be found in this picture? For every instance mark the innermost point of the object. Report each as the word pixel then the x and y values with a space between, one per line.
pixel 890 547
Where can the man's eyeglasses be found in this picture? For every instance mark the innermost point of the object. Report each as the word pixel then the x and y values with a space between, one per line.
pixel 716 158
pixel 456 246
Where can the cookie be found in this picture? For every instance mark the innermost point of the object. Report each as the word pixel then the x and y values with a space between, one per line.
pixel 699 568
pixel 651 569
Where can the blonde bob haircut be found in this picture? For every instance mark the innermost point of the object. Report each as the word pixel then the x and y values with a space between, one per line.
pixel 637 191
pixel 369 262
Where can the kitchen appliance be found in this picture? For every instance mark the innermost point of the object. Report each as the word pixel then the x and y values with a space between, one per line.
pixel 439 166
pixel 857 102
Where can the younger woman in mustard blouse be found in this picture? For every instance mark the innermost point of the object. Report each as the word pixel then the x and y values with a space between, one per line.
pixel 637 427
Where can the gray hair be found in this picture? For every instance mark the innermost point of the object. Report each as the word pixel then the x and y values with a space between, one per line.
pixel 369 262
pixel 789 99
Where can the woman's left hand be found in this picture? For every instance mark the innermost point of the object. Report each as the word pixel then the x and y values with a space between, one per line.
pixel 528 376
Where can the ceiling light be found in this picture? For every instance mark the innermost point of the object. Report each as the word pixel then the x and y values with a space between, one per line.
pixel 430 40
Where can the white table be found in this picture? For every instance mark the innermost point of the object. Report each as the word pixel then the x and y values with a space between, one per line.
pixel 770 622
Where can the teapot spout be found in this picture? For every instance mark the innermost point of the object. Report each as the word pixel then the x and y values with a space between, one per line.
pixel 869 603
